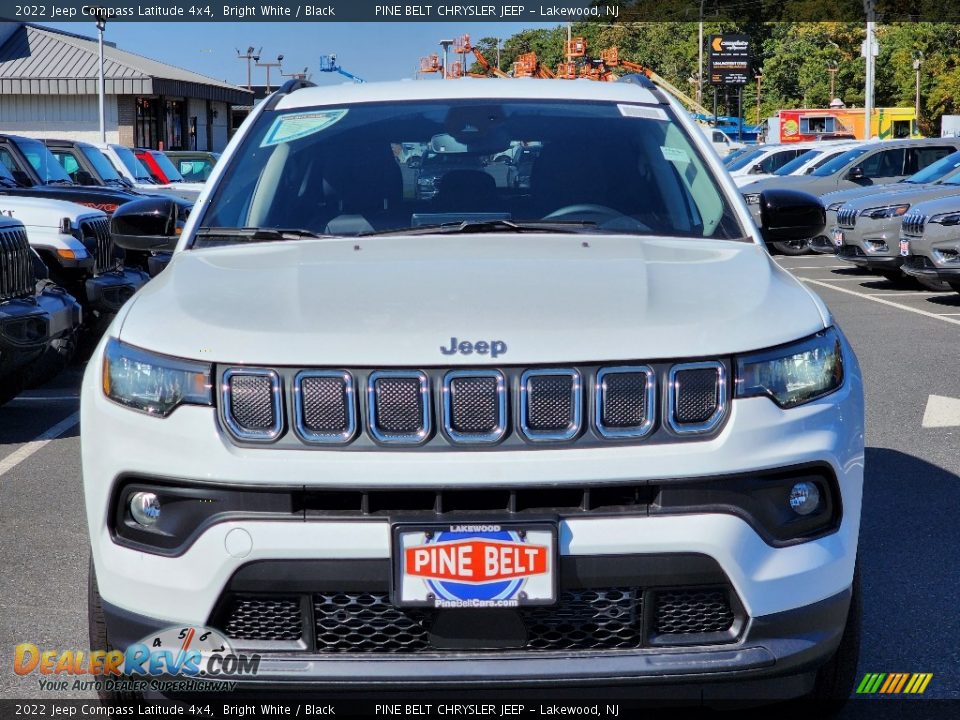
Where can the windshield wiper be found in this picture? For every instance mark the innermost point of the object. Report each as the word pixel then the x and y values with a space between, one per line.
pixel 487 226
pixel 58 182
pixel 220 235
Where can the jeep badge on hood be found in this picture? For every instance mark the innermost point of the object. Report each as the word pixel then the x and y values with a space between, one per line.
pixel 481 347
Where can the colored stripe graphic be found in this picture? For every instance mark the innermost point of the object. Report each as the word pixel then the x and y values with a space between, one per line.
pixel 894 683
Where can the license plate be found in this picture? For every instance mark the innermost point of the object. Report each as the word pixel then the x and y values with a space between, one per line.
pixel 475 565
pixel 838 237
pixel 904 247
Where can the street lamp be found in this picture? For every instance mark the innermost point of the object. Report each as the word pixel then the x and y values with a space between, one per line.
pixel 248 56
pixel 445 44
pixel 917 62
pixel 101 15
pixel 269 65
pixel 759 77
pixel 832 68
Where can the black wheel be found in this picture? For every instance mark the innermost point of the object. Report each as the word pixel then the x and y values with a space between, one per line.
pixel 954 285
pixel 933 283
pixel 100 640
pixel 792 247
pixel 12 385
pixel 837 679
pixel 896 277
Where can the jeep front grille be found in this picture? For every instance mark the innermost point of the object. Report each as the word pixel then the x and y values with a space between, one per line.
pixel 913 223
pixel 493 407
pixel 847 217
pixel 690 611
pixel 96 236
pixel 16 264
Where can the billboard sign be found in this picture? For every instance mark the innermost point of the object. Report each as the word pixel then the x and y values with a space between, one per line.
pixel 729 59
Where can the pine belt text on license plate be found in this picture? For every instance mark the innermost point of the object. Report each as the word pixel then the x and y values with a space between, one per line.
pixel 475 565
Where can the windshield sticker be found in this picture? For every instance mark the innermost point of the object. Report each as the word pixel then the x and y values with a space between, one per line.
pixel 674 154
pixel 638 111
pixel 298 125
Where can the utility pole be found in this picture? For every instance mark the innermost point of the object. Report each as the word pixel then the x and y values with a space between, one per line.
pixel 870 53
pixel 248 56
pixel 101 16
pixel 700 58
pixel 917 62
pixel 269 65
pixel 759 81
pixel 445 44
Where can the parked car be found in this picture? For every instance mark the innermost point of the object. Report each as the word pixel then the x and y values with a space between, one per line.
pixel 740 152
pixel 127 165
pixel 721 141
pixel 807 162
pixel 866 228
pixel 870 164
pixel 194 166
pixel 38 321
pixel 164 172
pixel 354 384
pixel 765 163
pixel 86 164
pixel 930 241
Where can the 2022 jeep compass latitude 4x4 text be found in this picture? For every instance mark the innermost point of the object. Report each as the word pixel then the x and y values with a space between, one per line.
pixel 581 432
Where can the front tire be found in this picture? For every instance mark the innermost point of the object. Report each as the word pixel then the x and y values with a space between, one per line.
pixel 100 640
pixel 837 679
pixel 954 285
pixel 792 247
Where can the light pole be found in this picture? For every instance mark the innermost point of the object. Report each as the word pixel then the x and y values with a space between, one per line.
pixel 445 44
pixel 248 56
pixel 700 58
pixel 269 65
pixel 832 69
pixel 870 53
pixel 917 62
pixel 759 82
pixel 101 83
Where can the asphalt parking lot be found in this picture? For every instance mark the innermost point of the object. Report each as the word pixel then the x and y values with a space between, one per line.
pixel 907 341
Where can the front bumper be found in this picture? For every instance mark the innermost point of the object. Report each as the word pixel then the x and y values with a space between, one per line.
pixel 24 332
pixel 870 244
pixel 855 255
pixel 63 310
pixel 108 292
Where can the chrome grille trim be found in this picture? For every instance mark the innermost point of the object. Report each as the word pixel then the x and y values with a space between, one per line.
pixel 299 420
pixel 913 223
pixel 99 230
pixel 468 437
pixel 847 217
pixel 226 397
pixel 425 403
pixel 16 264
pixel 576 391
pixel 600 402
pixel 673 395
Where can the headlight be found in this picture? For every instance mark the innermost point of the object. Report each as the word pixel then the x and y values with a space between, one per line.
pixel 752 198
pixel 794 374
pixel 834 206
pixel 151 383
pixel 889 211
pixel 945 218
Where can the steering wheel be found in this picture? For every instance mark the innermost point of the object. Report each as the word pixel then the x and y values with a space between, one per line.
pixel 585 212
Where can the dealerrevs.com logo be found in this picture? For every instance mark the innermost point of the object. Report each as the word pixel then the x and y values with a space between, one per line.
pixel 192 658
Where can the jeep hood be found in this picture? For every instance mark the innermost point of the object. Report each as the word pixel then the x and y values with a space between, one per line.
pixel 870 191
pixel 44 212
pixel 394 301
pixel 903 196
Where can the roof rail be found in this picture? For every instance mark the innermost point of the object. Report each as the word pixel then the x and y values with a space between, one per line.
pixel 646 83
pixel 288 87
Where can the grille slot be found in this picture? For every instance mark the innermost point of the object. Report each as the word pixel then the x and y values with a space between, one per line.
pixel 264 619
pixel 325 406
pixel 550 404
pixel 625 401
pixel 16 264
pixel 697 397
pixel 913 223
pixel 398 406
pixel 474 406
pixel 847 217
pixel 97 233
pixel 367 622
pixel 693 612
pixel 252 403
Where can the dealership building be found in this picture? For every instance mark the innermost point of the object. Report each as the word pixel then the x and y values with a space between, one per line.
pixel 48 88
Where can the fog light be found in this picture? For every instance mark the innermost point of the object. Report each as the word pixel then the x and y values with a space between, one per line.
pixel 804 498
pixel 145 508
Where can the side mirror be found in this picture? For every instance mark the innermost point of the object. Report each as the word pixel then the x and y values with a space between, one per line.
pixel 755 170
pixel 82 177
pixel 147 225
pixel 790 215
pixel 855 173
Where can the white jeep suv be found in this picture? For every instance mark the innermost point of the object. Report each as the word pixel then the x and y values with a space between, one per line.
pixel 585 432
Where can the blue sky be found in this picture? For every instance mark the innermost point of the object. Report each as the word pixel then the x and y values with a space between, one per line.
pixel 373 51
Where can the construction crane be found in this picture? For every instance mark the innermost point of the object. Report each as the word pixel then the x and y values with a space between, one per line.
pixel 528 65
pixel 328 64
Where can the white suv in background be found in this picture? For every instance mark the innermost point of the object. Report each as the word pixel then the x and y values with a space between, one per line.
pixel 569 433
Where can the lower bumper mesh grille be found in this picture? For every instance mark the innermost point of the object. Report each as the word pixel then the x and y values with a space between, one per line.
pixel 610 618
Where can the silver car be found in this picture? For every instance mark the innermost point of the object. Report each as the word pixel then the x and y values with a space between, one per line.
pixel 930 241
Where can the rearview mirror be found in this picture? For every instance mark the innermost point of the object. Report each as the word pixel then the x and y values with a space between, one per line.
pixel 148 225
pixel 82 177
pixel 790 215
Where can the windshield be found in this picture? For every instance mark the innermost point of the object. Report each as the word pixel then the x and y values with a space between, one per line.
pixel 376 167
pixel 747 158
pixel 42 161
pixel 798 162
pixel 100 163
pixel 936 171
pixel 839 162
pixel 173 175
pixel 134 166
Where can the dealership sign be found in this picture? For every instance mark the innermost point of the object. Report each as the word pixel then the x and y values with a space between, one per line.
pixel 729 59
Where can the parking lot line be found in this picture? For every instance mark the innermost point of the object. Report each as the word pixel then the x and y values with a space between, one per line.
pixel 817 267
pixel 875 298
pixel 910 293
pixel 18 456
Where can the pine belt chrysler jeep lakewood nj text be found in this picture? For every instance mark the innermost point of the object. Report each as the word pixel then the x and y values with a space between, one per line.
pixel 581 431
